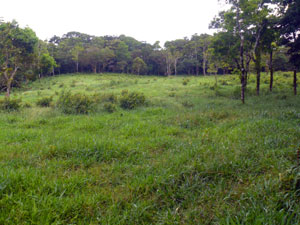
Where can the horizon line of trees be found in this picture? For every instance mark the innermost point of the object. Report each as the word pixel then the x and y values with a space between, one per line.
pixel 252 36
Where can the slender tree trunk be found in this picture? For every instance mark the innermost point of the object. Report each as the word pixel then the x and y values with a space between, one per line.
pixel 295 82
pixel 77 66
pixel 9 79
pixel 258 69
pixel 204 67
pixel 257 83
pixel 242 63
pixel 271 71
pixel 175 66
pixel 8 87
pixel 216 78
pixel 95 68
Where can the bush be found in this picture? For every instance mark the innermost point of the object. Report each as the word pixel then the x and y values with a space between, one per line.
pixel 75 103
pixel 27 105
pixel 185 81
pixel 124 92
pixel 112 98
pixel 187 104
pixel 9 104
pixel 172 94
pixel 44 102
pixel 132 100
pixel 109 107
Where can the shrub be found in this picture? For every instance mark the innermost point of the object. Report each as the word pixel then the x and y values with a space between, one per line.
pixel 9 104
pixel 172 94
pixel 109 107
pixel 27 105
pixel 112 98
pixel 132 100
pixel 185 81
pixel 124 92
pixel 188 104
pixel 224 82
pixel 75 103
pixel 44 102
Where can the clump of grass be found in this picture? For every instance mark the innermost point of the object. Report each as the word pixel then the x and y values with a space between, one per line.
pixel 9 104
pixel 75 103
pixel 27 105
pixel 110 107
pixel 187 104
pixel 109 97
pixel 132 100
pixel 44 102
pixel 185 81
pixel 172 94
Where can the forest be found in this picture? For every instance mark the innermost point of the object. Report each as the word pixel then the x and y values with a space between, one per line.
pixel 112 130
pixel 253 36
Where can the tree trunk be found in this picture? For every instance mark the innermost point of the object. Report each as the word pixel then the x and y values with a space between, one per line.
pixel 95 68
pixel 258 69
pixel 175 65
pixel 243 88
pixel 295 82
pixel 9 80
pixel 204 67
pixel 257 83
pixel 271 71
pixel 242 63
pixel 8 87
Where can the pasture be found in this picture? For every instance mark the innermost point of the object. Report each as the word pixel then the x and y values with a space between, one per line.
pixel 191 154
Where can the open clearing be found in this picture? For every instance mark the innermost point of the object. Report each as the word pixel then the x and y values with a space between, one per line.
pixel 192 155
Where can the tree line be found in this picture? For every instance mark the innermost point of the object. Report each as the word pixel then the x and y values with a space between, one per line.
pixel 252 36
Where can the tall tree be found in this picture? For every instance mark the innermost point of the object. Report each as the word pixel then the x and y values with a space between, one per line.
pixel 17 46
pixel 138 65
pixel 290 28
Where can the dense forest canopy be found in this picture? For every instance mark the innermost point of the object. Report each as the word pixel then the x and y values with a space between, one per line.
pixel 253 36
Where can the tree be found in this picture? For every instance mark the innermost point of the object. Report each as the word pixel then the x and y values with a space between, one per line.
pixel 47 63
pixel 175 52
pixel 290 28
pixel 246 19
pixel 17 46
pixel 138 65
pixel 75 52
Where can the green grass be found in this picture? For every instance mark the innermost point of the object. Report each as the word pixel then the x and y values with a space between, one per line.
pixel 192 155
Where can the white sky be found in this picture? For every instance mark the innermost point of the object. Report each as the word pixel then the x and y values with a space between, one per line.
pixel 144 20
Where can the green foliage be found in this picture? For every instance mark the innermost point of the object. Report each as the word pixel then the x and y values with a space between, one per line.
pixel 47 63
pixel 188 104
pixel 185 81
pixel 110 107
pixel 9 104
pixel 138 65
pixel 75 103
pixel 109 97
pixel 132 100
pixel 27 105
pixel 45 102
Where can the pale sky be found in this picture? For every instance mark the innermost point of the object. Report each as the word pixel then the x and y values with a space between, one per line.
pixel 144 20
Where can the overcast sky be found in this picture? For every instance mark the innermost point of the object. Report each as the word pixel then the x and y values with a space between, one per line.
pixel 145 20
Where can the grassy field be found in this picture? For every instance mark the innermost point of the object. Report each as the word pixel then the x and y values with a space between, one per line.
pixel 193 154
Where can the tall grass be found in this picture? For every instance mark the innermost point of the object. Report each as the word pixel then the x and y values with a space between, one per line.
pixel 189 156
